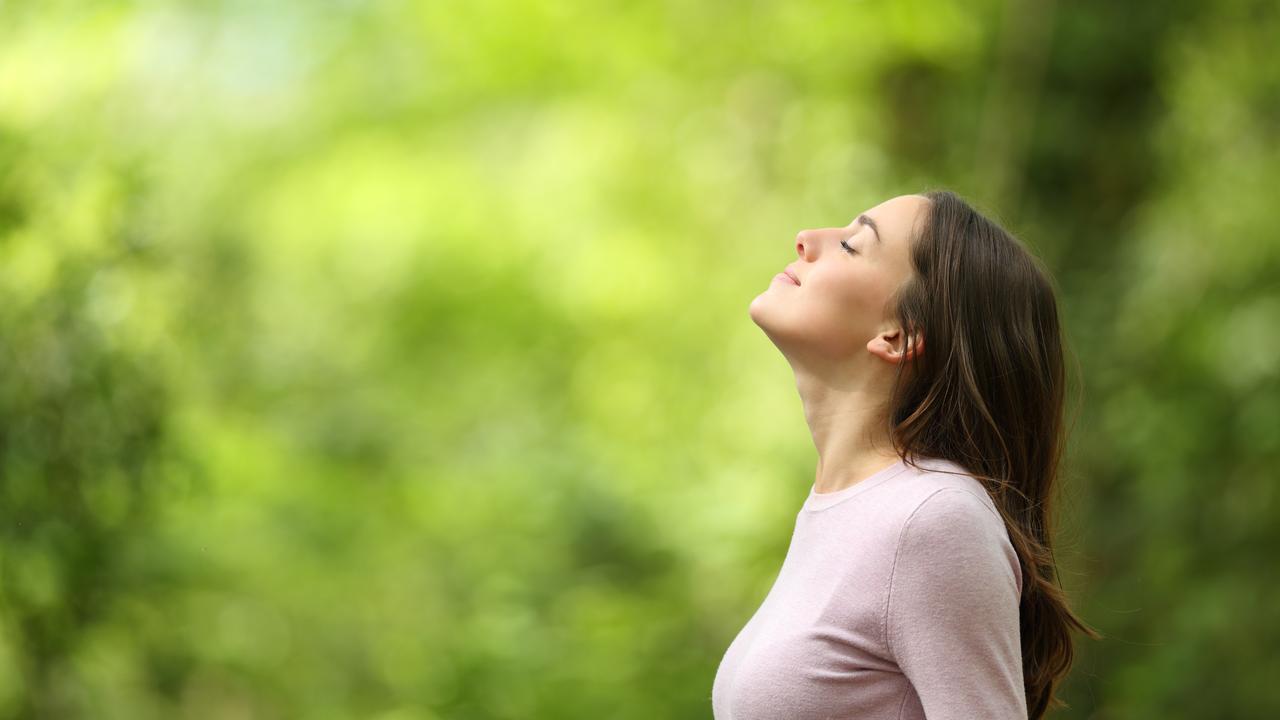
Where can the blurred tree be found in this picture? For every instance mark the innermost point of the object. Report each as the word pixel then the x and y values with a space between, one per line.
pixel 84 421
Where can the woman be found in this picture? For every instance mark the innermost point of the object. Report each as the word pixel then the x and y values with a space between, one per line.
pixel 920 581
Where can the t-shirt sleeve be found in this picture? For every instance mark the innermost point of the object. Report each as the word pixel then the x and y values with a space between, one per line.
pixel 952 610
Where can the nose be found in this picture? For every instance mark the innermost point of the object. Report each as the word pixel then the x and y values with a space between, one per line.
pixel 806 243
pixel 809 242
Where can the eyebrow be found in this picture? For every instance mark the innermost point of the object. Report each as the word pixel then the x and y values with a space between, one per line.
pixel 870 223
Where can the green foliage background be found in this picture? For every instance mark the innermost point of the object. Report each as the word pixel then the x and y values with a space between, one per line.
pixel 392 360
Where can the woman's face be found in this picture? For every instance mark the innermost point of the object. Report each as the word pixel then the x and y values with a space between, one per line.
pixel 839 308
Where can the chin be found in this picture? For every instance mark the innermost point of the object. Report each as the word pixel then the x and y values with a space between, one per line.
pixel 757 308
pixel 760 314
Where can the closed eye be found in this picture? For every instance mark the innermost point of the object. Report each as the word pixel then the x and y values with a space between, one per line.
pixel 848 249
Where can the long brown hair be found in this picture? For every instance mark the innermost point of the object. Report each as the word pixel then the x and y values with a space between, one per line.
pixel 987 392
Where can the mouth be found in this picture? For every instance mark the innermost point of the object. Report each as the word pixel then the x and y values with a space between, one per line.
pixel 792 276
pixel 786 278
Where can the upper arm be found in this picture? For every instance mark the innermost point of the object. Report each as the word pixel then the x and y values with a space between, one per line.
pixel 952 621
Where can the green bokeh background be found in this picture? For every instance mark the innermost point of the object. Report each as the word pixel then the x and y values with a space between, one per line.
pixel 392 360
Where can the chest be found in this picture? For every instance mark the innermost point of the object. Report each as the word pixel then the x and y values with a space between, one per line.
pixel 815 646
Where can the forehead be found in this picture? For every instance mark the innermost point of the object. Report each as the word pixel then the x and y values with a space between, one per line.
pixel 897 217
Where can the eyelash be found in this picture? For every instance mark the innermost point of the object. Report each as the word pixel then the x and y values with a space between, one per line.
pixel 848 249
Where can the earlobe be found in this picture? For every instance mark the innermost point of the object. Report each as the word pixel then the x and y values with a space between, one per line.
pixel 882 346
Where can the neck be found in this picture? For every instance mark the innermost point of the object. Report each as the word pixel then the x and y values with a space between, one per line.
pixel 849 424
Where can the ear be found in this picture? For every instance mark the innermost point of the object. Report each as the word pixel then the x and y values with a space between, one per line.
pixel 890 347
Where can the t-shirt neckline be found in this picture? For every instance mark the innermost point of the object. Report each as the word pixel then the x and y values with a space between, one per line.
pixel 821 501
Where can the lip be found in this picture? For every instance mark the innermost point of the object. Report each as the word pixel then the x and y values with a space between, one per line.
pixel 792 277
pixel 786 278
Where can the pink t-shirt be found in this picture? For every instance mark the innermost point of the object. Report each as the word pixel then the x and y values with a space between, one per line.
pixel 897 600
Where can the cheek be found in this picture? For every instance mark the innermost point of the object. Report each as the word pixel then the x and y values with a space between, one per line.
pixel 834 316
pixel 853 292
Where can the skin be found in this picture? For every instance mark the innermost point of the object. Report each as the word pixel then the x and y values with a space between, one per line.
pixel 837 333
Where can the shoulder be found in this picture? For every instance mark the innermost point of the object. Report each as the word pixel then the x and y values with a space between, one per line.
pixel 951 513
pixel 942 491
pixel 948 520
